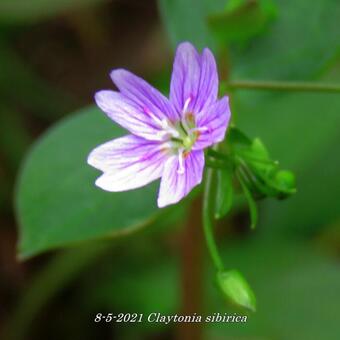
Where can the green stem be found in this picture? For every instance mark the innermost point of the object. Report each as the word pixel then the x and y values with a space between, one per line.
pixel 283 86
pixel 207 222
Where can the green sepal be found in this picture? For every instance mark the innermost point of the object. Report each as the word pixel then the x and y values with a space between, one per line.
pixel 224 192
pixel 260 173
pixel 236 289
pixel 251 203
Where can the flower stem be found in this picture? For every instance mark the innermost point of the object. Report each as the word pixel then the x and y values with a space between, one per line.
pixel 283 86
pixel 207 222
pixel 191 258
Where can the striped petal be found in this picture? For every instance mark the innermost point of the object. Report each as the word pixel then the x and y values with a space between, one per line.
pixel 176 184
pixel 194 82
pixel 146 97
pixel 212 124
pixel 128 115
pixel 128 163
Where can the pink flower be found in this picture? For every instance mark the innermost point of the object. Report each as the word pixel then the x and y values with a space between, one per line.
pixel 168 136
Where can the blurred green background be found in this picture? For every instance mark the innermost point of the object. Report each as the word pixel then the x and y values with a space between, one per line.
pixel 87 251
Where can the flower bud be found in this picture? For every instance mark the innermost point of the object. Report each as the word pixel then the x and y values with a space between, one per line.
pixel 236 289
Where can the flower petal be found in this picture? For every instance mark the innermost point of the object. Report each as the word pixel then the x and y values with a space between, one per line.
pixel 175 184
pixel 128 162
pixel 146 97
pixel 194 82
pixel 208 87
pixel 124 112
pixel 213 122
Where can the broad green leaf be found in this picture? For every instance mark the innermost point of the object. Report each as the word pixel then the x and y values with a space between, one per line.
pixel 18 11
pixel 185 20
pixel 294 47
pixel 242 20
pixel 106 266
pixel 269 56
pixel 57 201
pixel 224 192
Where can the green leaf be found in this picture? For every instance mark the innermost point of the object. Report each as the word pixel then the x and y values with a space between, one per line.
pixel 17 11
pixel 309 48
pixel 185 20
pixel 242 20
pixel 236 289
pixel 57 201
pixel 224 192
pixel 251 203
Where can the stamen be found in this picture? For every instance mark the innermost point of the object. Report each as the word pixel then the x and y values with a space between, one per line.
pixel 179 136
pixel 174 133
pixel 181 168
pixel 157 120
pixel 169 145
pixel 190 118
pixel 163 134
pixel 187 122
pixel 185 126
pixel 186 104
pixel 167 148
pixel 200 129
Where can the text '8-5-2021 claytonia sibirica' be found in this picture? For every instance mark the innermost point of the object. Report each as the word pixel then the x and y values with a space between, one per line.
pixel 167 136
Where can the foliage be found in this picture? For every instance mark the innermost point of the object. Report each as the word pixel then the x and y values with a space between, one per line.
pixel 294 277
pixel 57 202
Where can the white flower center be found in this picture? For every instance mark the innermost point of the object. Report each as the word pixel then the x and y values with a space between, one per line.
pixel 179 137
